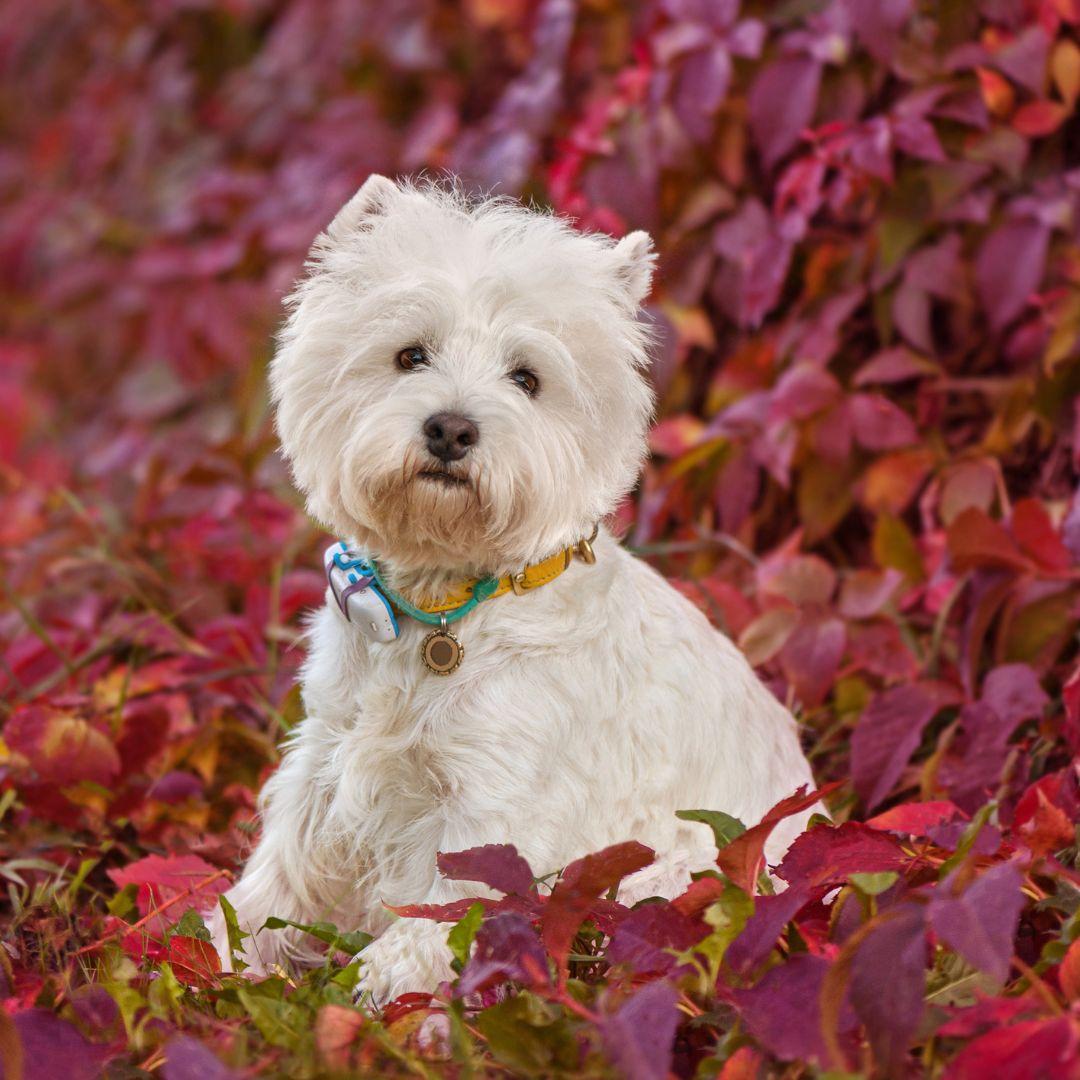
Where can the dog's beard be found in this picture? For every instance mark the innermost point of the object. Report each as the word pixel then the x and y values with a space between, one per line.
pixel 428 515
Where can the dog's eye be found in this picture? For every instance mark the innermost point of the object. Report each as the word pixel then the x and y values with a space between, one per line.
pixel 527 380
pixel 412 357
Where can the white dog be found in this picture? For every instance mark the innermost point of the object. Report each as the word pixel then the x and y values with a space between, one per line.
pixel 460 391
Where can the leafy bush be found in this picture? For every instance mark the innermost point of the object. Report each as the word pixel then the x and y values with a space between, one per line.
pixel 864 470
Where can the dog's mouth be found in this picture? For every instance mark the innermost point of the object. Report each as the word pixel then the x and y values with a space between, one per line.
pixel 441 476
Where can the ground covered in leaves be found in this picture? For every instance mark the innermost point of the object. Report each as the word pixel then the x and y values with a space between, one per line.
pixel 865 470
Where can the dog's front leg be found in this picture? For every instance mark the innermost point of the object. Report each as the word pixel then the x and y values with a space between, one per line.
pixel 289 875
pixel 412 954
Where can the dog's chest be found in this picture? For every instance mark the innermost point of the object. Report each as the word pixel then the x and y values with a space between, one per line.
pixel 415 734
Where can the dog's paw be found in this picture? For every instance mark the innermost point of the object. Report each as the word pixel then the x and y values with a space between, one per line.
pixel 409 956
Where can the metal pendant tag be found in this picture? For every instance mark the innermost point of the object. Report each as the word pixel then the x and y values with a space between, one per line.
pixel 441 651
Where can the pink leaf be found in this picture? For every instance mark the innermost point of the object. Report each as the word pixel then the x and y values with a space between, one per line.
pixel 1009 268
pixel 498 866
pixel 879 424
pixel 886 736
pixel 782 101
pixel 980 923
pixel 811 656
pixel 887 983
pixel 638 1038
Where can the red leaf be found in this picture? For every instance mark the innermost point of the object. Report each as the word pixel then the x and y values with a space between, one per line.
pixel 582 883
pixel 698 895
pixel 61 748
pixel 915 818
pixel 804 579
pixel 1070 699
pixel 1038 118
pixel 644 940
pixel 1031 1049
pixel 194 962
pixel 454 911
pixel 742 859
pixel 1043 828
pixel 160 878
pixel 1036 535
pixel 826 855
pixel 976 542
pixel 496 865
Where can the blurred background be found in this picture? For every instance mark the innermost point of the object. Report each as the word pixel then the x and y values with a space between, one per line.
pixel 868 305
pixel 866 455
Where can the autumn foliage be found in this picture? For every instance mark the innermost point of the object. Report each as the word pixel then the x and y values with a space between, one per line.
pixel 865 470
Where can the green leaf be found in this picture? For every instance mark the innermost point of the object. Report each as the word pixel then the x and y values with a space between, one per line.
pixel 725 827
pixel 234 934
pixel 874 884
pixel 967 840
pixel 190 925
pixel 463 934
pixel 165 995
pixel 279 1022
pixel 530 1036
pixel 123 903
pixel 80 876
pixel 348 942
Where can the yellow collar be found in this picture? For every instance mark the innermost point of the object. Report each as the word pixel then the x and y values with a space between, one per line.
pixel 532 577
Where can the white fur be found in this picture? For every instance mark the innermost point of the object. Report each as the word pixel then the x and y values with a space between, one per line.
pixel 586 712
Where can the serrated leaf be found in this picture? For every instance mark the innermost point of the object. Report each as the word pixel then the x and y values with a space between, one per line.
pixel 350 942
pixel 725 828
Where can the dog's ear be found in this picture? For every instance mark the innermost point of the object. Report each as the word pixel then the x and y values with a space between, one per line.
pixel 636 262
pixel 373 198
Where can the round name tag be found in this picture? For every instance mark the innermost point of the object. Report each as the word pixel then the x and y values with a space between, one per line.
pixel 441 652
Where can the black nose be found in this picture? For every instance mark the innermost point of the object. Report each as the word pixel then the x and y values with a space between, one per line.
pixel 449 435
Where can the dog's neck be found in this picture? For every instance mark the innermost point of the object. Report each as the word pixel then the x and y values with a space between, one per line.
pixel 432 580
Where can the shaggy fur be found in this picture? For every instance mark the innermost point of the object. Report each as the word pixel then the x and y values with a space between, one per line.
pixel 585 712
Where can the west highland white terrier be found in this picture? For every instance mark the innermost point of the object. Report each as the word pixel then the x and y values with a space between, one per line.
pixel 461 393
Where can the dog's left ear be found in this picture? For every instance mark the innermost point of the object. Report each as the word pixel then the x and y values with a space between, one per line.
pixel 374 197
pixel 636 262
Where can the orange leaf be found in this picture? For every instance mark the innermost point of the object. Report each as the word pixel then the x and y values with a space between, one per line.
pixel 336 1031
pixel 997 92
pixel 976 542
pixel 1039 118
pixel 892 481
pixel 1065 68
pixel 1069 972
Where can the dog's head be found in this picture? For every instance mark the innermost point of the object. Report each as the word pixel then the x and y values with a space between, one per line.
pixel 460 384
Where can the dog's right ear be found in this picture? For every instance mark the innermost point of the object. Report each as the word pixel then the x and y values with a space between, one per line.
pixel 373 198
